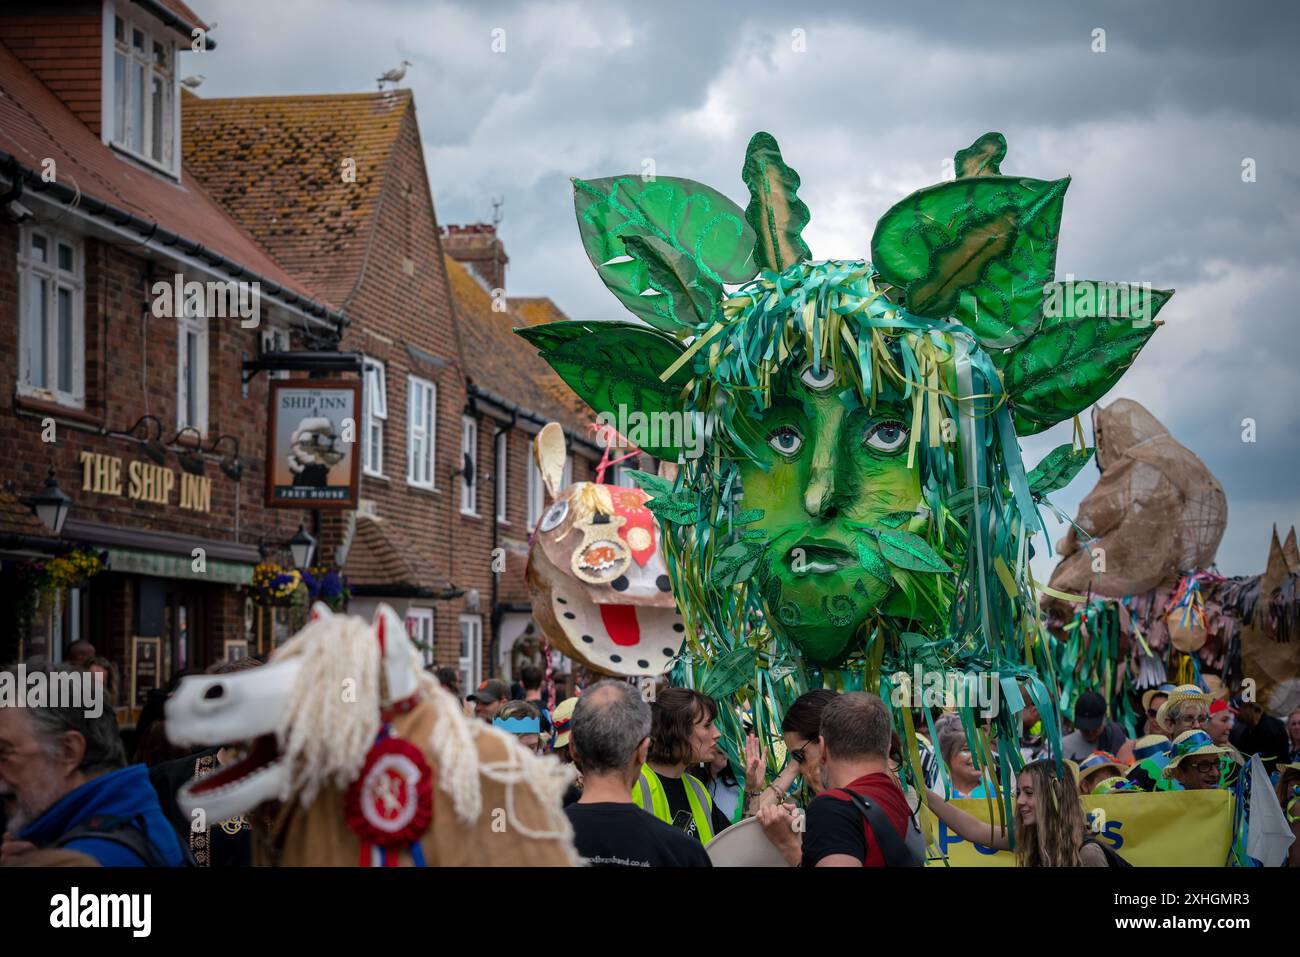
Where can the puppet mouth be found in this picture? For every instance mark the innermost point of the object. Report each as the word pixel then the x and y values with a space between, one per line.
pixel 252 757
pixel 818 557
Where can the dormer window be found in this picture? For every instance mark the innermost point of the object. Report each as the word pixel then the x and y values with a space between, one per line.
pixel 144 93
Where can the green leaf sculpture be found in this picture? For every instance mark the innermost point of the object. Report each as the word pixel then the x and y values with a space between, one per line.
pixel 979 249
pixel 700 223
pixel 614 367
pixel 730 673
pixel 1072 362
pixel 982 158
pixel 1057 469
pixel 776 213
pixel 688 295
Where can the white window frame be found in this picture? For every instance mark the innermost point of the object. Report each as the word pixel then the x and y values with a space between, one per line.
pixel 536 494
pixel 470 652
pixel 374 395
pixel 421 441
pixel 502 460
pixel 53 281
pixel 118 92
pixel 193 320
pixel 423 621
pixel 469 446
pixel 621 478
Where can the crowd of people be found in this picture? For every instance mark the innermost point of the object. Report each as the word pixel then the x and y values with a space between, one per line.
pixel 652 786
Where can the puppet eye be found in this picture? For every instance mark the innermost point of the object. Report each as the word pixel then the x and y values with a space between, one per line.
pixel 785 440
pixel 887 436
pixel 818 380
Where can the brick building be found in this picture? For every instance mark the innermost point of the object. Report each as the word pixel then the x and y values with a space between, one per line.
pixel 336 188
pixel 144 421
pixel 326 201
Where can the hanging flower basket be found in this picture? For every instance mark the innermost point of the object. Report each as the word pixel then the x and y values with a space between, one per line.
pixel 274 585
pixel 327 584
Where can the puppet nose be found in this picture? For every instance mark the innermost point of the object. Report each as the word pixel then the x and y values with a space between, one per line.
pixel 820 493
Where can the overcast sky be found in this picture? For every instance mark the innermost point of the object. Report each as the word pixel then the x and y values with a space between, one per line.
pixel 867 100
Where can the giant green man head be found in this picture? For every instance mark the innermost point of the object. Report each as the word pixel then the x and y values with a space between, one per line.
pixel 854 491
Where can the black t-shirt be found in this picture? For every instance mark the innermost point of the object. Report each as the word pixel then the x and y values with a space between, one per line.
pixel 228 843
pixel 623 835
pixel 680 809
pixel 834 825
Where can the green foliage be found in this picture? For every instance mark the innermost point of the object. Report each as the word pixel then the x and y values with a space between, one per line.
pixel 1057 469
pixel 613 366
pixel 1072 363
pixel 982 158
pixel 979 249
pixel 777 215
pixel 699 223
pixel 687 295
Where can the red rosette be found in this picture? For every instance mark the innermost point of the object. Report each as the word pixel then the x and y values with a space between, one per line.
pixel 391 802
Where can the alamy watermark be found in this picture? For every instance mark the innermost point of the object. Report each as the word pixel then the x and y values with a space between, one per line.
pixel 632 427
pixel 948 689
pixel 214 300
pixel 52 689
pixel 1086 299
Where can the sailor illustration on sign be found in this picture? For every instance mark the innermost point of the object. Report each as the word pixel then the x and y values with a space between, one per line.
pixel 313 450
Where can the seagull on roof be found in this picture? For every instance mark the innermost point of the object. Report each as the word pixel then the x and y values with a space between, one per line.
pixel 395 76
pixel 193 82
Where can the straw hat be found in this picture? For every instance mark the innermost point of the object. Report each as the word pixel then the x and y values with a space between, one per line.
pixel 562 719
pixel 1190 744
pixel 1181 693
pixel 1098 760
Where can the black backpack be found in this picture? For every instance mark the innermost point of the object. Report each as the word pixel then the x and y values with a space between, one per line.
pixel 128 832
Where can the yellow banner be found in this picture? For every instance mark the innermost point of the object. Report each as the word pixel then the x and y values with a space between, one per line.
pixel 1158 829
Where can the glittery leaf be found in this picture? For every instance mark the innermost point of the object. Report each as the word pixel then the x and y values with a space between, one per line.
pixel 736 563
pixel 982 158
pixel 1071 363
pixel 905 550
pixel 776 213
pixel 688 296
pixel 614 367
pixel 979 249
pixel 699 222
pixel 1057 469
pixel 870 559
pixel 729 673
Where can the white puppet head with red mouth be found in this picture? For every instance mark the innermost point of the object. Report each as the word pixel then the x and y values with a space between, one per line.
pixel 598 583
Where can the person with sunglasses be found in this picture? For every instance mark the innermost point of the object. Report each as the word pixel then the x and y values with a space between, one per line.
pixel 800 730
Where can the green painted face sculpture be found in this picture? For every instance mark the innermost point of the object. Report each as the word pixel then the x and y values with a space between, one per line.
pixel 827 470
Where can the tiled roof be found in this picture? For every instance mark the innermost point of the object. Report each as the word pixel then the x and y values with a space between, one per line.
pixel 36 125
pixel 373 560
pixel 276 162
pixel 183 11
pixel 535 310
pixel 504 364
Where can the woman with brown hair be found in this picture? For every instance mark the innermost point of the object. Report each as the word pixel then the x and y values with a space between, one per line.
pixel 1049 824
pixel 681 734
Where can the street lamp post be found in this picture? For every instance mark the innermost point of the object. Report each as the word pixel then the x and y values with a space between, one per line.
pixel 302 545
pixel 51 504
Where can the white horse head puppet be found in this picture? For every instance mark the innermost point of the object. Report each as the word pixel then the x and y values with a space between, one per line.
pixel 373 762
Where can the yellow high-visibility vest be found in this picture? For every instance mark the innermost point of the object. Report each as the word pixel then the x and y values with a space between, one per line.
pixel 697 796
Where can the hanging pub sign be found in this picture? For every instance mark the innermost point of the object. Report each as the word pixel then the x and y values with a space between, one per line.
pixel 312 455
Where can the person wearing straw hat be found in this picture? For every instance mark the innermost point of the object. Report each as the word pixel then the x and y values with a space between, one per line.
pixel 1150 756
pixel 1186 709
pixel 1096 768
pixel 1194 762
pixel 1152 699
pixel 561 725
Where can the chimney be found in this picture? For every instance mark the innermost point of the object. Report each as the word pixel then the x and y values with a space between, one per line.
pixel 477 247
